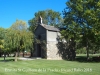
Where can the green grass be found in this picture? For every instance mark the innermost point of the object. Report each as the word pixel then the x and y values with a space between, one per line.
pixel 48 67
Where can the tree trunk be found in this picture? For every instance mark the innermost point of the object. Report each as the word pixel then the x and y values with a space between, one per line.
pixel 87 49
pixel 23 53
pixel 87 53
pixel 0 52
pixel 31 52
pixel 4 56
pixel 16 54
pixel 8 54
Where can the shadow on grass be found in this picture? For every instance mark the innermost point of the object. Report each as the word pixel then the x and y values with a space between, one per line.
pixel 84 59
pixel 7 60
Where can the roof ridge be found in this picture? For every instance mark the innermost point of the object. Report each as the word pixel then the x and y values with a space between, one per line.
pixel 48 27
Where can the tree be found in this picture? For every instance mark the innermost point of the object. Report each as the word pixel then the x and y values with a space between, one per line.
pixel 83 18
pixel 3 49
pixel 50 17
pixel 18 37
pixel 2 35
pixel 1 39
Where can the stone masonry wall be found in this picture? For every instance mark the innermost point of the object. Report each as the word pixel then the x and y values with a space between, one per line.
pixel 52 51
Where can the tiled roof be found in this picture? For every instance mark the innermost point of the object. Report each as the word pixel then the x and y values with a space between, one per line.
pixel 48 27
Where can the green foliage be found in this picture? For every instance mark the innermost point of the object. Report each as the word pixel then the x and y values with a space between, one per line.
pixel 82 17
pixel 17 38
pixel 2 33
pixel 81 51
pixel 19 35
pixel 50 17
pixel 2 40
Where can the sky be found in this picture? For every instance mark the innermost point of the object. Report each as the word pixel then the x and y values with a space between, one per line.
pixel 10 10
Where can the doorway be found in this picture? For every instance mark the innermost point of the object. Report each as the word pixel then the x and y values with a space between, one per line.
pixel 38 50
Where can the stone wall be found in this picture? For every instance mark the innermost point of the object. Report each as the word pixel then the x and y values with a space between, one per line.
pixel 52 51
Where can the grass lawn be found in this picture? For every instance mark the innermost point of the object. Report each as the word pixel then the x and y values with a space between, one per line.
pixel 49 67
